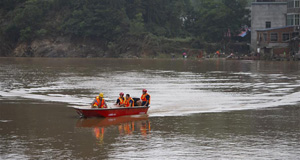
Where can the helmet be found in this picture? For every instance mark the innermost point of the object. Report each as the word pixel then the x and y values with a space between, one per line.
pixel 144 90
pixel 121 93
pixel 101 95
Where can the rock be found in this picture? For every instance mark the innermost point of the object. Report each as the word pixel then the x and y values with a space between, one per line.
pixel 20 50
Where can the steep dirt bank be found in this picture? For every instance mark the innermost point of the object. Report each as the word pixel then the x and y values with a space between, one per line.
pixel 130 46
pixel 59 47
pixel 125 47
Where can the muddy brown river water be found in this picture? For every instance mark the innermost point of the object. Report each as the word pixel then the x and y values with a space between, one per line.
pixel 207 109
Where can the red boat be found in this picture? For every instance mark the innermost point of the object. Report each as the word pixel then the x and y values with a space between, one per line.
pixel 111 112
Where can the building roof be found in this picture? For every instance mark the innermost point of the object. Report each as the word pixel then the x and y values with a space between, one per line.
pixel 268 3
pixel 275 28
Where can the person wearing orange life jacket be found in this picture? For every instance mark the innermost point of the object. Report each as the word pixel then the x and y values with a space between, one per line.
pixel 121 100
pixel 145 98
pixel 99 102
pixel 129 102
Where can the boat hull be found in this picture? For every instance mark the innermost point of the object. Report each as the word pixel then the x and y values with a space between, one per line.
pixel 111 112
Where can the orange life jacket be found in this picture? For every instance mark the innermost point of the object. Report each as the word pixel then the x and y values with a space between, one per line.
pixel 122 100
pixel 127 102
pixel 98 103
pixel 143 98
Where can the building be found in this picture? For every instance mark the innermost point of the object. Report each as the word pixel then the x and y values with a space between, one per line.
pixel 276 41
pixel 293 11
pixel 266 14
pixel 276 27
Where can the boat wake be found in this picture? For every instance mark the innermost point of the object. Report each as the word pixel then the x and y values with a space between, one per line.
pixel 172 93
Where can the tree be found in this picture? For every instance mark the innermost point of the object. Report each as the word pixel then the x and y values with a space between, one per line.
pixel 164 18
pixel 98 19
pixel 8 5
pixel 211 19
pixel 108 20
pixel 137 24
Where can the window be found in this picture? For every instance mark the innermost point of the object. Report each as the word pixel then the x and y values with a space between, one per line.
pixel 265 35
pixel 285 37
pixel 268 24
pixel 293 19
pixel 290 20
pixel 291 4
pixel 297 3
pixel 274 37
pixel 297 19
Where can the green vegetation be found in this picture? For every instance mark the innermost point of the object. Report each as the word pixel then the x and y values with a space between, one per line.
pixel 109 21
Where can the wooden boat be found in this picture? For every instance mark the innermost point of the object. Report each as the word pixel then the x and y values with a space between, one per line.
pixel 111 112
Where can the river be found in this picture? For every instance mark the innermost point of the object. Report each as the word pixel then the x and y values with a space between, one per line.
pixel 200 109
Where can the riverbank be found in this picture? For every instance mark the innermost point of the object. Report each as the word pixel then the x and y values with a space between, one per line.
pixel 143 46
pixel 129 46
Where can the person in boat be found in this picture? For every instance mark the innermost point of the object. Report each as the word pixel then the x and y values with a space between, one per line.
pixel 121 100
pixel 129 102
pixel 99 102
pixel 145 98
